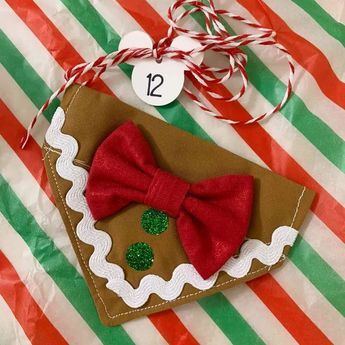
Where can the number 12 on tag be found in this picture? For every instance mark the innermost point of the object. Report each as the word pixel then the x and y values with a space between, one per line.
pixel 151 80
pixel 158 83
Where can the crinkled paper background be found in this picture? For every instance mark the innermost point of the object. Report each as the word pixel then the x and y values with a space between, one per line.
pixel 43 296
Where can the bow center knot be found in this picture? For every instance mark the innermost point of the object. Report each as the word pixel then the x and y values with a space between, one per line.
pixel 166 192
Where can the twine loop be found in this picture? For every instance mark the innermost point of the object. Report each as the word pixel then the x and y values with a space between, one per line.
pixel 216 39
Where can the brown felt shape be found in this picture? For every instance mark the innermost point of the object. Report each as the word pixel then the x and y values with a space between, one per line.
pixel 90 117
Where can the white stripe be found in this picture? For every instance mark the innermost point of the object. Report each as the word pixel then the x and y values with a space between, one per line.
pixel 161 7
pixel 258 315
pixel 312 302
pixel 324 242
pixel 326 110
pixel 334 8
pixel 20 105
pixel 30 47
pixel 304 86
pixel 200 325
pixel 35 200
pixel 11 332
pixel 111 11
pixel 142 332
pixel 304 25
pixel 305 154
pixel 43 289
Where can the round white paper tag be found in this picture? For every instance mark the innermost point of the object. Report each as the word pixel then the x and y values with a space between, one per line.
pixel 135 39
pixel 158 83
pixel 185 44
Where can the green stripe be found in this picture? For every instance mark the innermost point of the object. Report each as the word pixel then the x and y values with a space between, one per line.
pixel 66 277
pixel 229 320
pixel 329 24
pixel 320 274
pixel 295 111
pixel 16 65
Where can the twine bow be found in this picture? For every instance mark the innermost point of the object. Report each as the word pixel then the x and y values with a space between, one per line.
pixel 215 39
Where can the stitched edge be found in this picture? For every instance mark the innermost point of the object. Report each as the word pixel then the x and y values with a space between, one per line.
pixel 297 206
pixel 137 310
pixel 48 148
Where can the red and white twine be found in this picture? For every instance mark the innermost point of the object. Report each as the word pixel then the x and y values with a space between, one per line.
pixel 215 39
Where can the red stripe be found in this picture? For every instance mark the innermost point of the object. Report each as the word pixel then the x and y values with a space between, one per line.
pixel 287 311
pixel 324 205
pixel 304 52
pixel 30 316
pixel 12 131
pixel 171 328
pixel 67 57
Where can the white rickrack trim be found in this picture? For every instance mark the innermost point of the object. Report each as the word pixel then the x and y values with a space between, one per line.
pixel 102 242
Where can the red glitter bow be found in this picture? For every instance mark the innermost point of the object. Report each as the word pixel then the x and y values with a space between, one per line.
pixel 212 216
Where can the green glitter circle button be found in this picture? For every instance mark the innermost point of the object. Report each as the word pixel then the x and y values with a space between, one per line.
pixel 154 222
pixel 139 256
